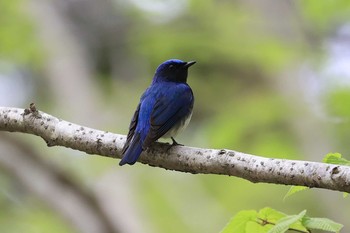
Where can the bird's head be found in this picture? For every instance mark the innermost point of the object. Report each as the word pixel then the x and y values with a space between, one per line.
pixel 173 70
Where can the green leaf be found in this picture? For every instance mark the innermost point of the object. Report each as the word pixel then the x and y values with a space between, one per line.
pixel 273 221
pixel 324 224
pixel 335 158
pixel 284 223
pixel 270 215
pixel 345 195
pixel 257 227
pixel 239 222
pixel 293 190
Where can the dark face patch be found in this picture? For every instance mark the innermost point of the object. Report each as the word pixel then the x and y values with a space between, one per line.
pixel 173 71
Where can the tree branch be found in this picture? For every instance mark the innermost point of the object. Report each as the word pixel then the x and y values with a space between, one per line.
pixel 57 132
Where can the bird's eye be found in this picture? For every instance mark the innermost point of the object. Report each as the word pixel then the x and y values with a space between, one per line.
pixel 171 66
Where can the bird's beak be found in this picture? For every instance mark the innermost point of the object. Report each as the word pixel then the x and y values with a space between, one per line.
pixel 190 63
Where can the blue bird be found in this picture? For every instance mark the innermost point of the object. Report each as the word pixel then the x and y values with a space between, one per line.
pixel 164 110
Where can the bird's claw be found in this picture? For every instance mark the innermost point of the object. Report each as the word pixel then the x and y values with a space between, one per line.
pixel 175 143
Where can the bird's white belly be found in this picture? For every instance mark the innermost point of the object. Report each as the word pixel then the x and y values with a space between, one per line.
pixel 179 127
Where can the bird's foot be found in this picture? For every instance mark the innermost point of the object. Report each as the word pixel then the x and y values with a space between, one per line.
pixel 175 142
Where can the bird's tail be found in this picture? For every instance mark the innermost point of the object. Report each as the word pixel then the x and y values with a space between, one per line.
pixel 133 151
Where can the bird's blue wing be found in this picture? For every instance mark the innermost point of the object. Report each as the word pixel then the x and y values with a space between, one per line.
pixel 169 109
pixel 133 146
pixel 138 129
pixel 132 128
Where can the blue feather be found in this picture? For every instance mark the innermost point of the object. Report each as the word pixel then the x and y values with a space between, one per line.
pixel 134 151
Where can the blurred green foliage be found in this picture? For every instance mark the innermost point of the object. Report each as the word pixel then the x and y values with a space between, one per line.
pixel 324 15
pixel 335 103
pixel 19 40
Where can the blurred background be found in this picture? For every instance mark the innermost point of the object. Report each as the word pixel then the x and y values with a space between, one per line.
pixel 272 78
